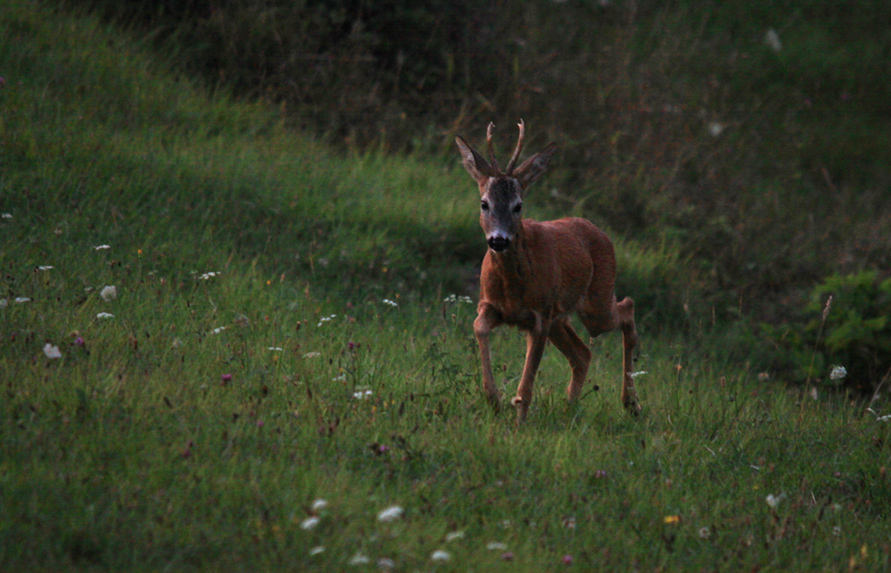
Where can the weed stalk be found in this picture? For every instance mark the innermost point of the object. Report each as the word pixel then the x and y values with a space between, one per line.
pixel 810 368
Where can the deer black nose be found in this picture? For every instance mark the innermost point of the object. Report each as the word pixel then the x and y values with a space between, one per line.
pixel 498 243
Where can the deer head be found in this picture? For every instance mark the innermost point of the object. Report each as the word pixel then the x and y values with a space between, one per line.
pixel 501 192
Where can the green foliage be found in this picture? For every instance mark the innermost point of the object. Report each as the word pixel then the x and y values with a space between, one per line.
pixel 848 327
pixel 858 332
pixel 765 163
pixel 191 420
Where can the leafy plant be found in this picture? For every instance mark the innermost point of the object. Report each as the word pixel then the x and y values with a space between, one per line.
pixel 850 329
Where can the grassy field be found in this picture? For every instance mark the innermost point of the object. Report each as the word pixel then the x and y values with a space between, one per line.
pixel 281 330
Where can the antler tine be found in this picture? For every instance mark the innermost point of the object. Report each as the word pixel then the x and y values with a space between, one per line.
pixel 491 147
pixel 516 155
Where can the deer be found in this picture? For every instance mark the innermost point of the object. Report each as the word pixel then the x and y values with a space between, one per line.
pixel 535 275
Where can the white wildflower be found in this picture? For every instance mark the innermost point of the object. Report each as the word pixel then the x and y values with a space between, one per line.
pixel 108 293
pixel 101 247
pixel 386 564
pixel 104 315
pixel 218 329
pixel 885 418
pixel 319 504
pixel 458 299
pixel 774 500
pixel 22 299
pixel 51 351
pixel 638 373
pixel 325 319
pixel 309 523
pixel 359 559
pixel 772 39
pixel 837 373
pixel 362 394
pixel 316 550
pixel 209 275
pixel 440 555
pixel 5 215
pixel 454 536
pixel 275 349
pixel 390 302
pixel 392 513
pixel 340 378
pixel 45 268
pixel 705 532
pixel 496 546
pixel 715 128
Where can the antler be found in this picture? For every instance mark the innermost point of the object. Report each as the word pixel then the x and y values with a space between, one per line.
pixel 492 160
pixel 516 155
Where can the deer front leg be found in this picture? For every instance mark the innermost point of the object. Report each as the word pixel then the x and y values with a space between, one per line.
pixel 629 342
pixel 485 322
pixel 536 339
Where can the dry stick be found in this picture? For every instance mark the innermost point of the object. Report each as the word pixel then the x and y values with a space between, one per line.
pixel 875 394
pixel 807 384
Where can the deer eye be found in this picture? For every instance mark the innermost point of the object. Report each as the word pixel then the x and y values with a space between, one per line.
pixel 518 207
pixel 484 205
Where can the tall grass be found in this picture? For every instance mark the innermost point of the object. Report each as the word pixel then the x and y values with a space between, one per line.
pixel 248 365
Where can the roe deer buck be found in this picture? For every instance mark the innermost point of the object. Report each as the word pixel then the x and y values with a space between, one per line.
pixel 536 274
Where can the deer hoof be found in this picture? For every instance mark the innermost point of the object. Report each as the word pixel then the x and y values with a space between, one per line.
pixel 494 400
pixel 633 407
pixel 522 409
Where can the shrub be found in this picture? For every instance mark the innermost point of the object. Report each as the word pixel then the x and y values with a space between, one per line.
pixel 850 328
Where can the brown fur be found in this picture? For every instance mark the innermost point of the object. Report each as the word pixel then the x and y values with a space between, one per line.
pixel 549 270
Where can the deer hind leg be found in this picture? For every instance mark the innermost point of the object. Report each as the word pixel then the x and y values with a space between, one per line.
pixel 629 342
pixel 485 322
pixel 621 315
pixel 566 340
pixel 536 339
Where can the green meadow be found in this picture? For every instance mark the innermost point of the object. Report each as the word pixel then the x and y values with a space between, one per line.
pixel 227 346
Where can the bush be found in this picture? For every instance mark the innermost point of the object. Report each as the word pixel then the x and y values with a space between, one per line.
pixel 850 329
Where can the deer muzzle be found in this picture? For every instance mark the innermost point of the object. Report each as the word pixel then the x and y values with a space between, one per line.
pixel 498 242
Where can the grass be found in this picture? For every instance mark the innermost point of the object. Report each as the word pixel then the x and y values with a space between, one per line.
pixel 749 134
pixel 195 427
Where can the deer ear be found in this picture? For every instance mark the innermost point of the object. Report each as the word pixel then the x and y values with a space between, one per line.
pixel 533 168
pixel 473 162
